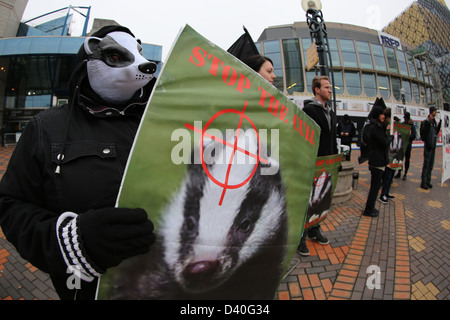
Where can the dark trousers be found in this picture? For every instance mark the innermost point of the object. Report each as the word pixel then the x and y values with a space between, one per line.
pixel 406 162
pixel 407 158
pixel 311 232
pixel 428 163
pixel 388 176
pixel 375 184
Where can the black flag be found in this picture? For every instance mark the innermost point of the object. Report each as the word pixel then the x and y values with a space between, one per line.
pixel 244 47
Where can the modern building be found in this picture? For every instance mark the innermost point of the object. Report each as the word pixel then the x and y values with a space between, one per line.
pixel 366 64
pixel 37 58
pixel 425 25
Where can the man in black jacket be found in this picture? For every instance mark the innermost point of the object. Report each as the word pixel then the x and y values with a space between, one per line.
pixel 58 195
pixel 429 134
pixel 320 111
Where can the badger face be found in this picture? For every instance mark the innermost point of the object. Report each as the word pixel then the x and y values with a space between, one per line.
pixel 116 68
pixel 320 198
pixel 206 240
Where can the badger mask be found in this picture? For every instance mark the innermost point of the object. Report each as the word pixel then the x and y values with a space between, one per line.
pixel 116 68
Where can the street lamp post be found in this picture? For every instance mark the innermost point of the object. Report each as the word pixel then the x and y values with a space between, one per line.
pixel 318 31
pixel 317 28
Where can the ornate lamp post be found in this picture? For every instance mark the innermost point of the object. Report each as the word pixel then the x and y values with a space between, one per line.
pixel 318 31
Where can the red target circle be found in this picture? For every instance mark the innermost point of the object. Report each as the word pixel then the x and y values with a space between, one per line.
pixel 225 185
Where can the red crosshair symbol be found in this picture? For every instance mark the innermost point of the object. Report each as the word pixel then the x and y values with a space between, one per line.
pixel 225 184
pixel 318 179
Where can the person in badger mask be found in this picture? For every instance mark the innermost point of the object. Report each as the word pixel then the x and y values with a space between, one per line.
pixel 58 194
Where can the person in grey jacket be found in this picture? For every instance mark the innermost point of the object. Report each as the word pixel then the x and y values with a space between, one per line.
pixel 429 132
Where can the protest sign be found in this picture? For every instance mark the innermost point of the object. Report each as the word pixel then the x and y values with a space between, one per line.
pixel 324 184
pixel 223 164
pixel 445 129
pixel 398 146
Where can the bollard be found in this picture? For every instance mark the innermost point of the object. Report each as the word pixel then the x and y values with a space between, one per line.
pixel 355 180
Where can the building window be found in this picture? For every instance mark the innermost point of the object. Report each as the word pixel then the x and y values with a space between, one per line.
pixel 365 57
pixel 37 81
pixel 272 50
pixel 416 92
pixel 378 56
pixel 334 52
pixel 392 60
pixel 309 77
pixel 407 86
pixel 370 84
pixel 353 81
pixel 293 66
pixel 348 53
pixel 384 86
pixel 306 43
pixel 338 82
pixel 402 63
pixel 411 66
pixel 419 70
pixel 396 87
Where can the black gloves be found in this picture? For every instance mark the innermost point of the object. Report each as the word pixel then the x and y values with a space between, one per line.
pixel 99 239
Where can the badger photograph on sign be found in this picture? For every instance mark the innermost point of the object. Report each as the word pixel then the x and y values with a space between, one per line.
pixel 223 164
pixel 324 184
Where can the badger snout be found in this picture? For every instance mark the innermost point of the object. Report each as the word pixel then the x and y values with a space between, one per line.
pixel 147 67
pixel 201 273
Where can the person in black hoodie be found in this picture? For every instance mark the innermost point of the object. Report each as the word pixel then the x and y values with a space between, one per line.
pixel 58 194
pixel 378 156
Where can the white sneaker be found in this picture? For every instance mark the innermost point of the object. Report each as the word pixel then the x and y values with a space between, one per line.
pixel 383 199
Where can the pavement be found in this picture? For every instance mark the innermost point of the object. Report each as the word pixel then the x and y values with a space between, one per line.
pixel 403 254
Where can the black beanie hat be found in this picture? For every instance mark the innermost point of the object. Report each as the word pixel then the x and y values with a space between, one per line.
pixel 376 112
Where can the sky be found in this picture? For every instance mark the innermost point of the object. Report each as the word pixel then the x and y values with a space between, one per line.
pixel 221 22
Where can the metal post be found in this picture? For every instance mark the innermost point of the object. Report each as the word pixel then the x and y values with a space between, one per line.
pixel 317 29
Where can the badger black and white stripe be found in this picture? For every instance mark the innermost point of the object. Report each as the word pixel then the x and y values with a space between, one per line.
pixel 232 250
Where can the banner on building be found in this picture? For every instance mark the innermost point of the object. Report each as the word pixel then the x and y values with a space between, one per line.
pixel 223 164
pixel 445 129
pixel 324 184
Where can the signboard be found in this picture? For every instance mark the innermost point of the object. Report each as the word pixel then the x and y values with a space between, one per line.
pixel 312 57
pixel 389 40
pixel 223 164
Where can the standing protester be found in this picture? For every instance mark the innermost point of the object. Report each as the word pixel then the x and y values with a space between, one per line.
pixel 346 130
pixel 388 174
pixel 412 137
pixel 378 142
pixel 429 131
pixel 263 65
pixel 320 111
pixel 58 194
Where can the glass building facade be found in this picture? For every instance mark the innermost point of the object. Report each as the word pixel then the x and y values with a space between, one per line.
pixel 363 66
pixel 35 71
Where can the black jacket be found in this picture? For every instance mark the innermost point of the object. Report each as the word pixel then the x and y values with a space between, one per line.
pixel 346 127
pixel 39 184
pixel 379 144
pixel 327 144
pixel 429 132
